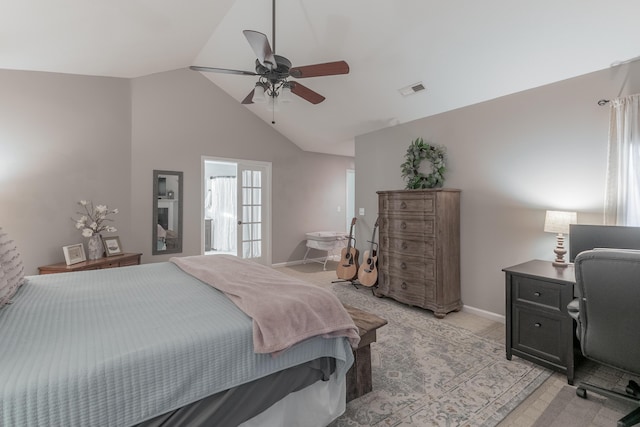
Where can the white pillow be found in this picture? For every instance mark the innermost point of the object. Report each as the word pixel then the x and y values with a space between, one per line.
pixel 11 267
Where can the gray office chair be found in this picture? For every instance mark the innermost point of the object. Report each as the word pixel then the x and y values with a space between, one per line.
pixel 608 317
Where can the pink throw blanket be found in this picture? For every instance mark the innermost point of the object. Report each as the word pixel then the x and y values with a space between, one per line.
pixel 284 310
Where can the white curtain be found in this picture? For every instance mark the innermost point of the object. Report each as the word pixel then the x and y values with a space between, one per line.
pixel 622 196
pixel 221 205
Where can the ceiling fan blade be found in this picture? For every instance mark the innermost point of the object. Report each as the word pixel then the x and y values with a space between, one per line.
pixel 317 70
pixel 249 98
pixel 306 93
pixel 222 70
pixel 260 45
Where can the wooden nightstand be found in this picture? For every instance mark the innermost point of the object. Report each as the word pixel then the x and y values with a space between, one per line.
pixel 538 326
pixel 105 262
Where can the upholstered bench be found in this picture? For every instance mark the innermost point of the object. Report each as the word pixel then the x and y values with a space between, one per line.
pixel 359 376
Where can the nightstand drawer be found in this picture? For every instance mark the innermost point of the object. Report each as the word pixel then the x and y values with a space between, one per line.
pixel 110 264
pixel 131 261
pixel 539 334
pixel 538 292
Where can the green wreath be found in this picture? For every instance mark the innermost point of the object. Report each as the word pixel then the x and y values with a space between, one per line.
pixel 417 152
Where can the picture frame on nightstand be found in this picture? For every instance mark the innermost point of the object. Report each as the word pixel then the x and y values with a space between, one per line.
pixel 112 245
pixel 74 254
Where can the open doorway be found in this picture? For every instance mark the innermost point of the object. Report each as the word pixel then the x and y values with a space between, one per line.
pixel 236 208
pixel 220 208
pixel 350 209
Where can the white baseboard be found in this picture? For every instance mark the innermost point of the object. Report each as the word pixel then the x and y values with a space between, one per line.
pixel 483 313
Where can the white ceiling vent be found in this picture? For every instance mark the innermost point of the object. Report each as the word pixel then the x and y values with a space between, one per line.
pixel 411 89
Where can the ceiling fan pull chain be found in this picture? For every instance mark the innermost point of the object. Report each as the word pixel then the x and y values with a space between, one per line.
pixel 273 112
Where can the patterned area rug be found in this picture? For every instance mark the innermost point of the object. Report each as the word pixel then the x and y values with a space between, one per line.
pixel 429 373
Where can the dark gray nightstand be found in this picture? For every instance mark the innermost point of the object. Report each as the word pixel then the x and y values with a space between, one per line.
pixel 537 324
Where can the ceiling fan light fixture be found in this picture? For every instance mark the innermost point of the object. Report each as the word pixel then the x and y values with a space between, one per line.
pixel 274 70
pixel 258 94
pixel 285 93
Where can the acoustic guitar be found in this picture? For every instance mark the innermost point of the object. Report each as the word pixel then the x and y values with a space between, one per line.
pixel 348 265
pixel 368 272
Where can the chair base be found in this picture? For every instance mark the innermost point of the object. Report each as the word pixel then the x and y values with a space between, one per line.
pixel 632 395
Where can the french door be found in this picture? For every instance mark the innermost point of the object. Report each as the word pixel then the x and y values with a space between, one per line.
pixel 253 218
pixel 249 227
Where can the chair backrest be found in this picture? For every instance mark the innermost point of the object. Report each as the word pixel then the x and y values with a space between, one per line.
pixel 608 283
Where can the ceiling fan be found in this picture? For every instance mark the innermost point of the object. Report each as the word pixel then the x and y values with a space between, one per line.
pixel 274 71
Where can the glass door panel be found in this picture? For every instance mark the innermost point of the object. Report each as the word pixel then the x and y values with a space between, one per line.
pixel 250 237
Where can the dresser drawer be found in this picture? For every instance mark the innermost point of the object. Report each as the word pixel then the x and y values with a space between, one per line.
pixel 534 291
pixel 410 267
pixel 409 203
pixel 425 247
pixel 409 290
pixel 399 226
pixel 539 334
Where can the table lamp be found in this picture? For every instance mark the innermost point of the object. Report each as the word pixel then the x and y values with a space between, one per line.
pixel 558 222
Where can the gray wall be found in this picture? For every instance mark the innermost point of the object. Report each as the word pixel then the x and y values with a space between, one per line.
pixel 180 116
pixel 62 138
pixel 67 137
pixel 513 158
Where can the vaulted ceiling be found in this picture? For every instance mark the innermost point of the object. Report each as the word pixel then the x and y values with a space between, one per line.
pixel 462 51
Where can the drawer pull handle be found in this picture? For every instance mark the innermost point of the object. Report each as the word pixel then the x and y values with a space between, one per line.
pixel 537 325
pixel 403 205
pixel 403 266
pixel 404 245
pixel 404 285
pixel 537 294
pixel 403 225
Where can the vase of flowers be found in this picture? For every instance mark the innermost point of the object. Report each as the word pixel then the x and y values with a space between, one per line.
pixel 92 222
pixel 95 248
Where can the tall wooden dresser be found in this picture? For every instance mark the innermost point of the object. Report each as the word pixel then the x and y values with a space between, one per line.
pixel 419 248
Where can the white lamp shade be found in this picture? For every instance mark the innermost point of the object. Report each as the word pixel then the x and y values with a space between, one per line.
pixel 285 94
pixel 558 221
pixel 258 94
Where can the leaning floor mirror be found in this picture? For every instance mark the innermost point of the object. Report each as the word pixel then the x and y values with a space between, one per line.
pixel 167 212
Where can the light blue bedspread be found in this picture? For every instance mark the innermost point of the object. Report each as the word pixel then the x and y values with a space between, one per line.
pixel 118 346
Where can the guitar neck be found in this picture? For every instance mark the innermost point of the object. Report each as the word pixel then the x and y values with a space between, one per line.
pixel 373 237
pixel 353 222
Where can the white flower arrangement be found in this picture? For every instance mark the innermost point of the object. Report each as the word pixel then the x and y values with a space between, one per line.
pixel 92 219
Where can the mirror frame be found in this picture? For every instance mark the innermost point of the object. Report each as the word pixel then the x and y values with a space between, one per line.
pixel 154 245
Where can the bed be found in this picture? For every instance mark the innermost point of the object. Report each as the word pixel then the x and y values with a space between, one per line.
pixel 153 345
